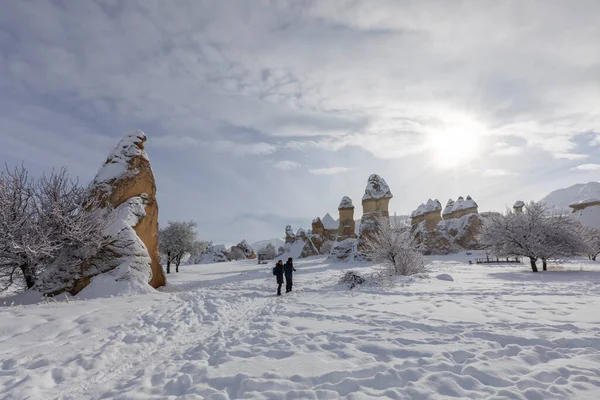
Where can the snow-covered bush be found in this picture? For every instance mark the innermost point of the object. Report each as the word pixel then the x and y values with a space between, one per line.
pixel 269 251
pixel 392 245
pixel 175 240
pixel 45 223
pixel 352 279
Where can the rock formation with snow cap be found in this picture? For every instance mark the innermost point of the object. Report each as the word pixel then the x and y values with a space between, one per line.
pixel 427 211
pixel 346 204
pixel 518 206
pixel 456 231
pixel 347 225
pixel 290 236
pixel 125 184
pixel 375 203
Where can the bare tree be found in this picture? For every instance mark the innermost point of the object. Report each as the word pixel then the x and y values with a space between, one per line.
pixel 392 245
pixel 175 240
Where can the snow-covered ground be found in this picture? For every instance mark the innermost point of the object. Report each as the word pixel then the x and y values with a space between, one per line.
pixel 219 332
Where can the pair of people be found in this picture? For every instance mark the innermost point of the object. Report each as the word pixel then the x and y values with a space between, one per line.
pixel 282 269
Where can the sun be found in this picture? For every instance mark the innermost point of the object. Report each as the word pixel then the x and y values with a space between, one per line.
pixel 455 145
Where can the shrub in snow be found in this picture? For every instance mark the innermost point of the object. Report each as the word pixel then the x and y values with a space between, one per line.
pixel 392 245
pixel 533 233
pixel 43 223
pixel 175 240
pixel 352 279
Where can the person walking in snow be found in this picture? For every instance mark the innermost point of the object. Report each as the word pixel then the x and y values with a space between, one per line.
pixel 278 272
pixel 288 269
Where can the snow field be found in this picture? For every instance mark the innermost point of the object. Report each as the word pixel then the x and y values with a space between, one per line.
pixel 219 332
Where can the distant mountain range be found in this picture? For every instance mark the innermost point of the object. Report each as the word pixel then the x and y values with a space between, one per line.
pixel 561 198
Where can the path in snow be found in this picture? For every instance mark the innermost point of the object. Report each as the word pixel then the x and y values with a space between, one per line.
pixel 220 333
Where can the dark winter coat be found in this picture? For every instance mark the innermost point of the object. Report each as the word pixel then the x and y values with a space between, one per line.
pixel 288 267
pixel 279 272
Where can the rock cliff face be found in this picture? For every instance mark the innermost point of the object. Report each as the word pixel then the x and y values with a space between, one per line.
pixel 125 185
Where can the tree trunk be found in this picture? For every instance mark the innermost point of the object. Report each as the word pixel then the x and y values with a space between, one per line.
pixel 593 258
pixel 168 262
pixel 544 265
pixel 28 275
pixel 533 264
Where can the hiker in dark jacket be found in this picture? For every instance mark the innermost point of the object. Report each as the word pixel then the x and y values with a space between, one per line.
pixel 288 268
pixel 278 270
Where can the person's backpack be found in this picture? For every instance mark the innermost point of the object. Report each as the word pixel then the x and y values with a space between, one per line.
pixel 275 270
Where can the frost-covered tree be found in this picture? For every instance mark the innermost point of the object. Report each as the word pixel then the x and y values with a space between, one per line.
pixel 591 239
pixel 269 251
pixel 392 245
pixel 562 237
pixel 175 240
pixel 48 223
pixel 533 233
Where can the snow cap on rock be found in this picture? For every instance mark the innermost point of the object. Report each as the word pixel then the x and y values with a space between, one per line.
pixel 377 188
pixel 430 206
pixel 346 203
pixel 519 204
pixel 448 208
pixel 289 231
pixel 301 232
pixel 118 162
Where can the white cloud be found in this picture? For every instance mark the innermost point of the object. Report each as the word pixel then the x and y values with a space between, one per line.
pixel 595 141
pixel 587 167
pixel 569 156
pixel 329 171
pixel 504 149
pixel 496 172
pixel 287 165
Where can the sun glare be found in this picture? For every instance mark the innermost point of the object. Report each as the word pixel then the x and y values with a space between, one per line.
pixel 455 146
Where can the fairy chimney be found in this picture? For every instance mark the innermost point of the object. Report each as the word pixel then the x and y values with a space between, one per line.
pixel 375 205
pixel 347 224
pixel 518 206
pixel 127 174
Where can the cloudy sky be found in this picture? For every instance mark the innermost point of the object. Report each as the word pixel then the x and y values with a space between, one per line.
pixel 265 113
